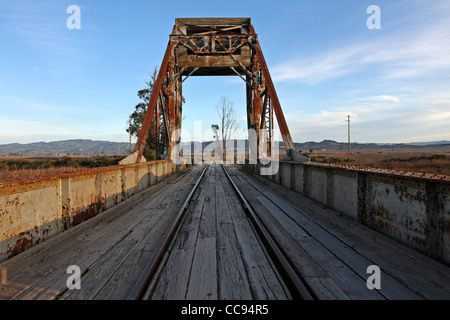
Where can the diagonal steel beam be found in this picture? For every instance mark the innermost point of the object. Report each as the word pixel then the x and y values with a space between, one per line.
pixel 285 134
pixel 143 133
pixel 176 76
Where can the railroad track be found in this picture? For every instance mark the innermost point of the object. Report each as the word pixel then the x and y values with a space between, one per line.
pixel 297 287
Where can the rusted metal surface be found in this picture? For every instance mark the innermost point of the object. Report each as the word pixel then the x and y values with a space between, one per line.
pixel 138 289
pixel 213 46
pixel 27 239
pixel 386 171
pixel 271 89
pixel 413 209
pixel 299 289
pixel 20 224
pixel 35 210
pixel 143 133
pixel 20 185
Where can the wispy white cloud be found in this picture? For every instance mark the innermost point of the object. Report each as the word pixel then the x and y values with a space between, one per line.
pixel 384 98
pixel 421 48
pixel 381 118
pixel 320 67
pixel 41 27
pixel 406 96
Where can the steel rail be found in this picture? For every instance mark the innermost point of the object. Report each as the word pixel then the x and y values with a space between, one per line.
pixel 147 273
pixel 299 289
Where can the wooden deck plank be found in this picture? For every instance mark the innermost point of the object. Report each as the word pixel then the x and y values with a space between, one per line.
pixel 232 276
pixel 111 260
pixel 174 278
pixel 65 254
pixel 299 257
pixel 16 265
pixel 243 270
pixel 346 265
pixel 264 280
pixel 99 274
pixel 203 278
pixel 349 260
pixel 124 277
pixel 66 249
pixel 405 272
pixel 54 283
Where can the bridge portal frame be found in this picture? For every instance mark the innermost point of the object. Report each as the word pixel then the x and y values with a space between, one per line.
pixel 213 47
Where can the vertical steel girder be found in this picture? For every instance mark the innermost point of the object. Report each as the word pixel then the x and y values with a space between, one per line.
pixel 204 52
pixel 291 153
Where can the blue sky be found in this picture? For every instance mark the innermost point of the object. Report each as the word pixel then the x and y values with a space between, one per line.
pixel 394 82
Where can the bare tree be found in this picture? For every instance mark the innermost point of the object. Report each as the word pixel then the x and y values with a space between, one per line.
pixel 228 119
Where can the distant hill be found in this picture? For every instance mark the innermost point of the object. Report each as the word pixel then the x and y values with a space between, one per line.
pixel 443 142
pixel 330 145
pixel 65 147
pixel 92 147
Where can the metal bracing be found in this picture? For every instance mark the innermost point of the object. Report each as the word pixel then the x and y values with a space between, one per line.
pixel 214 47
pixel 162 141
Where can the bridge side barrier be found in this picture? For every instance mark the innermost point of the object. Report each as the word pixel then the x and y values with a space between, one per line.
pixel 33 211
pixel 414 211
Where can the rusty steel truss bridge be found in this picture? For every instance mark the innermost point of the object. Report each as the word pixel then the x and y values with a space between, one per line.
pixel 213 47
pixel 156 230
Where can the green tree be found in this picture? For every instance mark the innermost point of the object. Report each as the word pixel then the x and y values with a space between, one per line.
pixel 66 162
pixel 137 117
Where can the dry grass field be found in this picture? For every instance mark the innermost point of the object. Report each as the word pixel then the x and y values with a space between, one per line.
pixel 31 174
pixel 15 169
pixel 433 162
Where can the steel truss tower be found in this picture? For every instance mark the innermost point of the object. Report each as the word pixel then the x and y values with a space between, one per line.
pixel 213 47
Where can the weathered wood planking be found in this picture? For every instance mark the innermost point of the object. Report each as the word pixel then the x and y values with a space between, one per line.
pixel 214 61
pixel 28 258
pixel 348 265
pixel 203 279
pixel 212 21
pixel 217 254
pixel 174 277
pixel 233 281
pixel 330 260
pixel 320 282
pixel 406 273
pixel 148 236
pixel 59 256
pixel 102 270
pixel 42 272
pixel 55 284
pixel 264 280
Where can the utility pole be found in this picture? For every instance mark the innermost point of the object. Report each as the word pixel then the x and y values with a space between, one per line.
pixel 215 129
pixel 129 129
pixel 349 153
